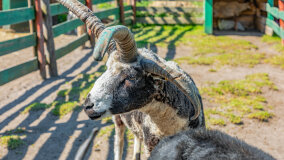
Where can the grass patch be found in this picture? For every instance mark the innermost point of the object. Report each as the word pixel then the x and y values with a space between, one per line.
pixel 106 131
pixel 61 109
pixel 107 120
pixel 18 130
pixel 238 99
pixel 277 60
pixel 11 141
pixel 129 136
pixel 35 107
pixel 261 115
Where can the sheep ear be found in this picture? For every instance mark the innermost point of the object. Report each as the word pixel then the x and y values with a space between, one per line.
pixel 181 80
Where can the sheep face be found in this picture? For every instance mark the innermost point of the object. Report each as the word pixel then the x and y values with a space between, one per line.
pixel 122 88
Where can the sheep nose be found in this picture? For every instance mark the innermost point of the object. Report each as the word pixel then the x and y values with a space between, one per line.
pixel 88 104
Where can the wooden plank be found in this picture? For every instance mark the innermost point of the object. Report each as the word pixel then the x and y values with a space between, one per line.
pixel 128 14
pixel 15 72
pixel 107 13
pixel 18 15
pixel 40 39
pixel 17 44
pixel 71 46
pixel 272 10
pixel 133 4
pixel 101 1
pixel 57 8
pixel 281 22
pixel 170 20
pixel 208 11
pixel 127 8
pixel 128 20
pixel 66 26
pixel 49 39
pixel 274 26
pixel 153 10
pixel 121 11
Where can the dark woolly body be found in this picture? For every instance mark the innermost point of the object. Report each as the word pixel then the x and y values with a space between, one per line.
pixel 205 144
pixel 135 90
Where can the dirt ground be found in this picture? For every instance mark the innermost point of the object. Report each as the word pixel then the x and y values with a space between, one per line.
pixel 50 137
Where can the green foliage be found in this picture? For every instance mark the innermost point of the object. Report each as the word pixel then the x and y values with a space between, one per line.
pixel 238 99
pixel 35 107
pixel 11 141
pixel 61 109
pixel 217 121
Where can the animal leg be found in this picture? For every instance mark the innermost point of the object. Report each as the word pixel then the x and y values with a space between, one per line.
pixel 119 137
pixel 137 148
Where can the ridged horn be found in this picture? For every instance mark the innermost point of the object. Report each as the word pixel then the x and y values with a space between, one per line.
pixel 185 85
pixel 125 43
pixel 85 15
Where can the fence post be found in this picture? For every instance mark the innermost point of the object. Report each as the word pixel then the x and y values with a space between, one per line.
pixel 134 10
pixel 49 39
pixel 89 4
pixel 268 30
pixel 31 25
pixel 208 12
pixel 281 8
pixel 121 11
pixel 40 39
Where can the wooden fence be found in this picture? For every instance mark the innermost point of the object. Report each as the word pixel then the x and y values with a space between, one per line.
pixel 276 13
pixel 170 14
pixel 40 15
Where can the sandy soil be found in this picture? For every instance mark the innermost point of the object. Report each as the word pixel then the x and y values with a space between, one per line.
pixel 49 137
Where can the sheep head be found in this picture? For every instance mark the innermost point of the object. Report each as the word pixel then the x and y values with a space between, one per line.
pixel 133 77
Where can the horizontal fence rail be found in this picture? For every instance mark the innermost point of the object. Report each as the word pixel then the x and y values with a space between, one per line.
pixel 18 15
pixel 16 44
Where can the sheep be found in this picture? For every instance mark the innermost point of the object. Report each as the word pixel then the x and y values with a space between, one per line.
pixel 152 97
pixel 202 144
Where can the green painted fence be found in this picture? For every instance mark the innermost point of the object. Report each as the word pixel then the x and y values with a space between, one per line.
pixel 15 16
pixel 274 12
pixel 18 15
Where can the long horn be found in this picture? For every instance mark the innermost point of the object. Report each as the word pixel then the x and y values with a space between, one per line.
pixel 85 15
pixel 183 83
pixel 125 43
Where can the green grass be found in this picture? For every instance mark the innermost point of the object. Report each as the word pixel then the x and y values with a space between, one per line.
pixel 64 108
pixel 107 120
pixel 275 41
pixel 129 136
pixel 11 141
pixel 18 130
pixel 35 107
pixel 106 5
pixel 106 131
pixel 237 99
pixel 261 115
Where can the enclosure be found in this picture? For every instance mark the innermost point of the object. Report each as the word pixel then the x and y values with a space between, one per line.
pixel 47 70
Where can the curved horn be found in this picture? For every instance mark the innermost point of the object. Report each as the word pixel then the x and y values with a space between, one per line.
pixel 183 83
pixel 125 43
pixel 85 15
